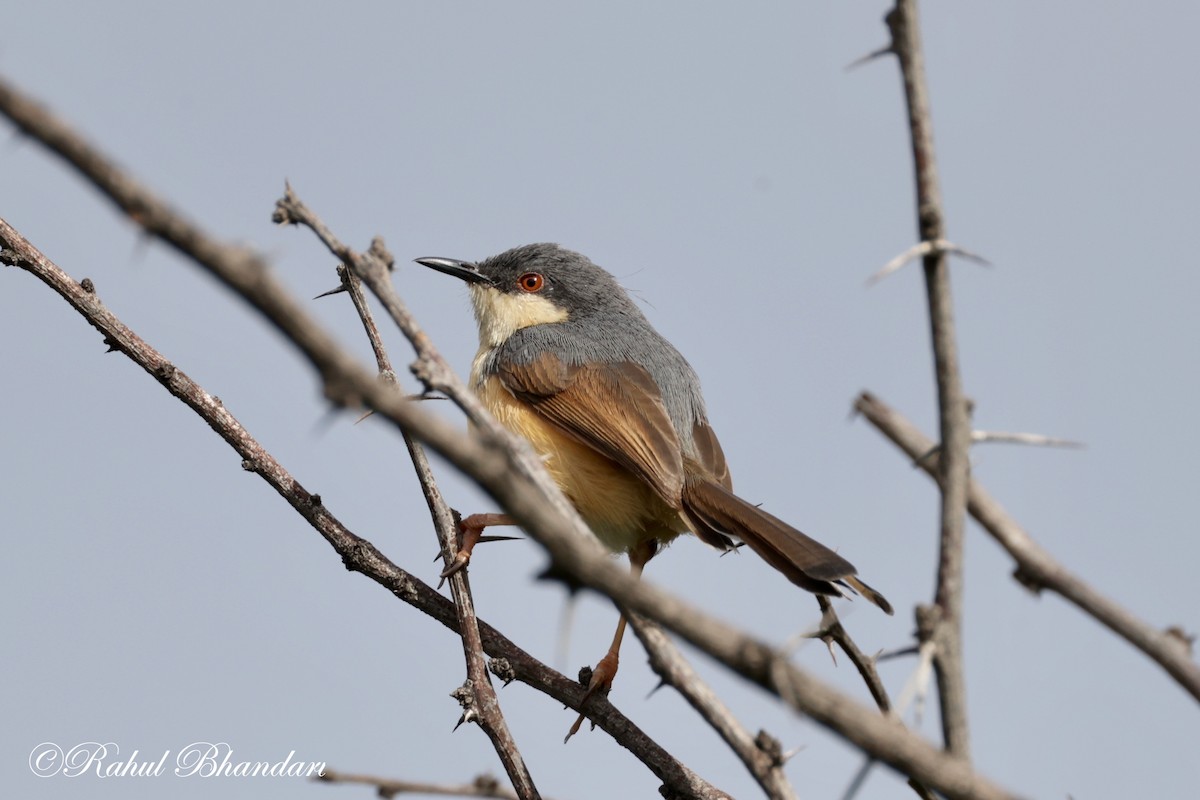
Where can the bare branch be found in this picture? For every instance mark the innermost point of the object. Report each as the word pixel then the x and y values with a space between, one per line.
pixel 430 368
pixel 946 611
pixel 762 755
pixel 832 631
pixel 480 703
pixel 357 554
pixel 1036 568
pixel 483 786
pixel 352 286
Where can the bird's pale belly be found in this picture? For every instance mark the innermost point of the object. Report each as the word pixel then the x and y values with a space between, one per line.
pixel 619 508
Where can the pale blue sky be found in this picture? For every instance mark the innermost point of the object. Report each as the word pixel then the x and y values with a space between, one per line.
pixel 725 167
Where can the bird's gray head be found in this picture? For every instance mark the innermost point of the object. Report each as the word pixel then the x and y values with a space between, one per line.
pixel 535 284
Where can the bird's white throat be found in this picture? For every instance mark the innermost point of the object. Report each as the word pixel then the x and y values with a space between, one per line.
pixel 501 314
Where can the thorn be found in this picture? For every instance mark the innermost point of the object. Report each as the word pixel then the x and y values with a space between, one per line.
pixel 331 292
pixel 661 683
pixel 869 57
pixel 1031 439
pixel 787 756
pixel 1035 439
pixel 887 655
pixel 366 413
pixel 920 250
pixel 828 640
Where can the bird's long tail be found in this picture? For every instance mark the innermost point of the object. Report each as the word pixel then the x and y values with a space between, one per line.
pixel 717 513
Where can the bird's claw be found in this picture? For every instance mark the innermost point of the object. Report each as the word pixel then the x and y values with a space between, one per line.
pixel 600 683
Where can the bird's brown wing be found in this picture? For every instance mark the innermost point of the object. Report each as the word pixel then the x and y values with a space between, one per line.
pixel 710 455
pixel 616 409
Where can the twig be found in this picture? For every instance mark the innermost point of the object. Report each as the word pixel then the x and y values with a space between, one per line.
pixel 358 554
pixel 832 631
pixel 479 701
pixel 762 755
pixel 482 786
pixel 353 287
pixel 1036 568
pixel 945 615
pixel 373 267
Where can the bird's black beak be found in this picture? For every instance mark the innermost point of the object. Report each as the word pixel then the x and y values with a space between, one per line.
pixel 460 269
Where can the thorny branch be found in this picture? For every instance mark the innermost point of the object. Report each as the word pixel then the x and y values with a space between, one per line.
pixel 942 621
pixel 1036 568
pixel 831 631
pixel 506 468
pixel 479 702
pixel 357 554
pixel 762 755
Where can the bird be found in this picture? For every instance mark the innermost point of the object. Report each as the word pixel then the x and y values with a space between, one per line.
pixel 567 360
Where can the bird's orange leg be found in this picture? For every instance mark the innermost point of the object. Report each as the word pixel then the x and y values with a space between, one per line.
pixel 606 668
pixel 470 529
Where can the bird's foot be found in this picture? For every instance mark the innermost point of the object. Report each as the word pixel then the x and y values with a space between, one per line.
pixel 600 683
pixel 470 533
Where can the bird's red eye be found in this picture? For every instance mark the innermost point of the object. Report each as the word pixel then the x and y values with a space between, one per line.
pixel 531 282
